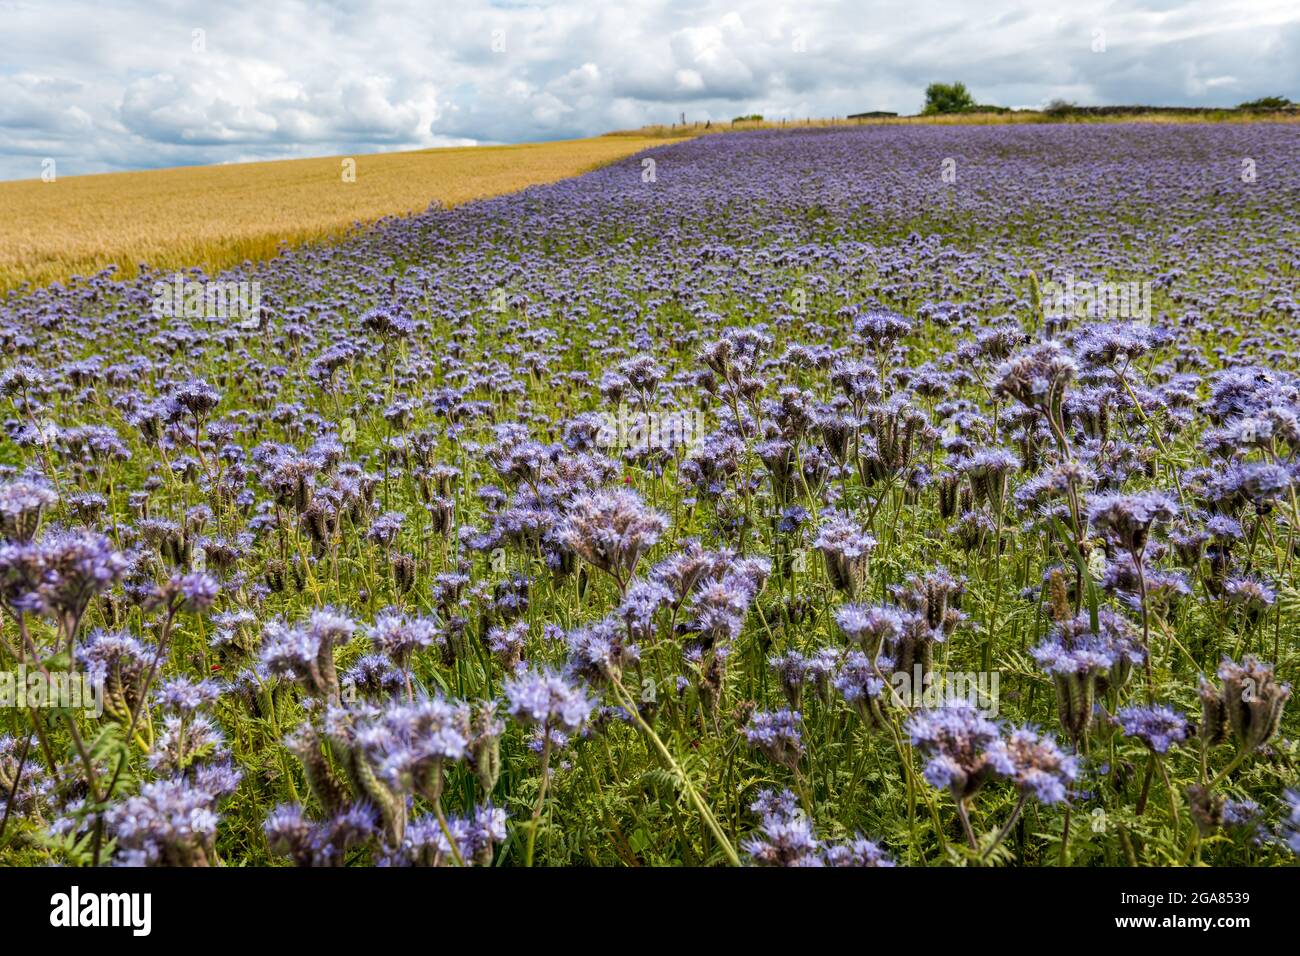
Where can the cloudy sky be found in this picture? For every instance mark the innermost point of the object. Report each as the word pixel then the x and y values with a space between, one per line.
pixel 153 83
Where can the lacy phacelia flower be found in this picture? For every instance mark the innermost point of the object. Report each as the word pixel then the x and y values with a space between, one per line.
pixel 776 734
pixel 1252 596
pixel 785 838
pixel 1038 376
pixel 400 635
pixel 78 566
pixel 426 844
pixel 169 823
pixel 115 660
pixel 784 841
pixel 373 675
pixel 857 852
pixel 1291 824
pixel 870 627
pixel 194 592
pixel 28 792
pixel 790 669
pixel 22 503
pixel 184 740
pixel 1127 519
pixel 317 843
pixel 881 327
pixel 304 653
pixel 547 699
pixel 1036 765
pixel 184 696
pixel 642 601
pixel 410 743
pixel 718 610
pixel 599 652
pixel 862 685
pixel 1159 726
pixel 935 598
pixel 683 572
pixel 22 566
pixel 963 749
pixel 507 644
pixel 1084 663
pixel 611 530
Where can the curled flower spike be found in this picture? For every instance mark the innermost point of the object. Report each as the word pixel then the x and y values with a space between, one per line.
pixel 1084 663
pixel 1249 704
pixel 304 652
pixel 845 548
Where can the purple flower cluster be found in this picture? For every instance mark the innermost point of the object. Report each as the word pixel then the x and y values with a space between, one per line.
pixel 786 838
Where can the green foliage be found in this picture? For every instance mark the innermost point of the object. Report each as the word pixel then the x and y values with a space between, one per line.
pixel 946 98
pixel 1267 103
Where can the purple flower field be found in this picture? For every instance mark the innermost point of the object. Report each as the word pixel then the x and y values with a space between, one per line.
pixel 882 496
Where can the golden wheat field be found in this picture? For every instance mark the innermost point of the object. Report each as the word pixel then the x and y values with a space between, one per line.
pixel 216 216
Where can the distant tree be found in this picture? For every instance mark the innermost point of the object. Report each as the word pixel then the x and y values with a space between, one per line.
pixel 1059 108
pixel 1267 103
pixel 947 98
